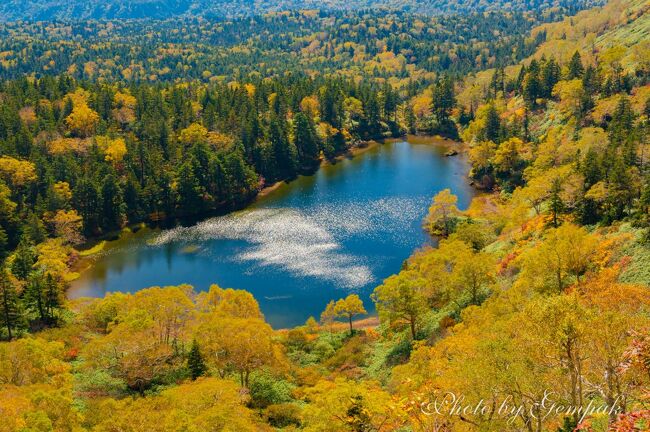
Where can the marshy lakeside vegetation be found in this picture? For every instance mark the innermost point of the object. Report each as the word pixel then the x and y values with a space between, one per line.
pixel 538 289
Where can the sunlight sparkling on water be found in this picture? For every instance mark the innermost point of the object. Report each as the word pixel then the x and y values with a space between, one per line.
pixel 306 245
pixel 344 229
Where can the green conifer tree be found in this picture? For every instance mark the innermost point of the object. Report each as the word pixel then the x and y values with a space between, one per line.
pixel 195 362
pixel 12 316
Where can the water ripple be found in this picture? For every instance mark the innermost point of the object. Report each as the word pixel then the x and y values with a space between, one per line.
pixel 307 244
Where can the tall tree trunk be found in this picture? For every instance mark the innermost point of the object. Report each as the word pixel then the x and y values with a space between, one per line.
pixel 572 367
pixel 412 322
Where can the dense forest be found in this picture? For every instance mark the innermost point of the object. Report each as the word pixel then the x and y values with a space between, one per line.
pixel 104 146
pixel 534 305
pixel 399 47
pixel 103 155
pixel 46 10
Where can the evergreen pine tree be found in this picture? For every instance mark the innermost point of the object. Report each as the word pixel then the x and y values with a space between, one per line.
pixel 492 124
pixel 53 296
pixel 23 141
pixel 372 114
pixel 331 105
pixel 550 75
pixel 195 361
pixel 532 87
pixel 34 295
pixel 410 119
pixel 12 316
pixel 87 200
pixel 4 245
pixel 591 80
pixel 443 99
pixel 622 132
pixel 112 203
pixel 519 84
pixel 575 68
pixel 285 152
pixel 390 100
pixel 24 259
pixel 34 229
pixel 190 200
pixel 306 140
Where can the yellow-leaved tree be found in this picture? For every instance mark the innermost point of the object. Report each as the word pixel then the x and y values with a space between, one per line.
pixel 207 404
pixel 349 307
pixel 82 121
pixel 402 299
pixel 341 405
pixel 561 258
pixel 232 334
pixel 442 213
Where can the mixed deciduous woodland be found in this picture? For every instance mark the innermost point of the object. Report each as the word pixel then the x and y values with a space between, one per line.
pixel 541 285
pixel 49 10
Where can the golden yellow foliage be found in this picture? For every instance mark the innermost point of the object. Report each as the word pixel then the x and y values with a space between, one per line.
pixel 82 121
pixel 132 352
pixel 422 105
pixel 310 106
pixel 571 94
pixel 506 158
pixel 30 361
pixel 240 344
pixel 62 191
pixel 68 225
pixel 17 172
pixel 220 140
pixel 208 404
pixel 561 258
pixel 332 402
pixel 194 133
pixel 61 145
pixel 441 213
pixel 250 89
pixel 229 302
pixel 27 115
pixel 53 257
pixel 124 107
pixel 349 307
pixel 401 300
pixel 114 149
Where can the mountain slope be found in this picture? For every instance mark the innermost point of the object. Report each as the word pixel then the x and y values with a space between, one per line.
pixel 42 10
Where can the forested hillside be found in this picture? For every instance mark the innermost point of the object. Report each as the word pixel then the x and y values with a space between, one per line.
pixel 123 144
pixel 44 10
pixel 534 306
pixel 401 47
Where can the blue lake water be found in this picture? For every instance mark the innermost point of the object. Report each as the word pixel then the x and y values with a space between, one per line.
pixel 318 238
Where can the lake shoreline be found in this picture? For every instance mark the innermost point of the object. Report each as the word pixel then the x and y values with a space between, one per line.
pixel 364 146
pixel 352 152
pixel 363 216
pixel 95 245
